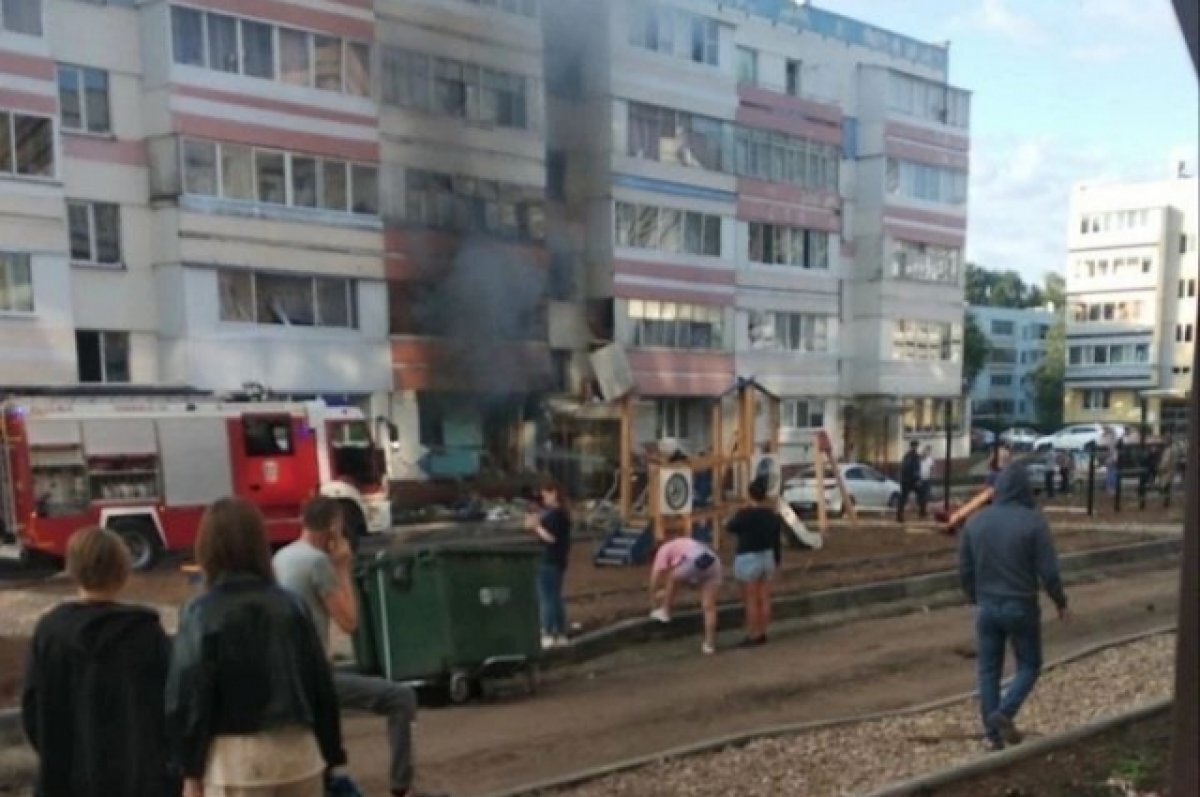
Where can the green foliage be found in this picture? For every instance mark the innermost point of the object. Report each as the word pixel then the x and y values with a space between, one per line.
pixel 1048 377
pixel 976 350
pixel 1006 289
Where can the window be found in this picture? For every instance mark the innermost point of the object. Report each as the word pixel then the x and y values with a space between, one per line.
pixel 928 415
pixel 95 229
pixel 26 145
pixel 671 419
pixel 1096 399
pixel 927 183
pixel 267 435
pixel 83 99
pixel 674 32
pixel 1187 289
pixel 1101 312
pixel 1183 333
pixel 225 43
pixel 1002 328
pixel 704 40
pixel 779 158
pixel 928 341
pixel 928 100
pixel 788 246
pixel 747 66
pixel 21 16
pixel 926 262
pixel 454 88
pixel 16 283
pixel 234 171
pixel 794 71
pixel 248 297
pixel 1002 356
pixel 802 413
pixel 667 230
pixel 103 356
pixel 526 8
pixel 676 326
pixel 443 201
pixel 1002 380
pixel 800 332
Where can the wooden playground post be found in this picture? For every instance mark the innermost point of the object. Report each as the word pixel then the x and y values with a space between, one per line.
pixel 626 477
pixel 822 510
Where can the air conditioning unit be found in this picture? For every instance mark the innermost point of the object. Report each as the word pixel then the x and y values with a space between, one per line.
pixel 768 466
pixel 675 492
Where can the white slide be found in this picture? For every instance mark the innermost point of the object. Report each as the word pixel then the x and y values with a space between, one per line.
pixel 809 539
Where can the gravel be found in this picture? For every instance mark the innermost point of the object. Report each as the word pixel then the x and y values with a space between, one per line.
pixel 861 757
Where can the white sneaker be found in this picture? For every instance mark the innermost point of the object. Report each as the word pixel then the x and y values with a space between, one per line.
pixel 707 649
pixel 661 615
pixel 561 642
pixel 547 641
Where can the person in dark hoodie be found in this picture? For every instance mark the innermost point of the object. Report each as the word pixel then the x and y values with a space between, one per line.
pixel 910 479
pixel 93 698
pixel 1005 554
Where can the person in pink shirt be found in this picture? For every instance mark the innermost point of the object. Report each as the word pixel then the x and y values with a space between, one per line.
pixel 687 561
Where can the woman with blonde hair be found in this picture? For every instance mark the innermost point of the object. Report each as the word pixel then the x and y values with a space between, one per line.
pixel 250 698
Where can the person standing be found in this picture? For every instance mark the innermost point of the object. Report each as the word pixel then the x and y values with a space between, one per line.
pixel 759 532
pixel 1066 464
pixel 316 569
pixel 251 710
pixel 925 489
pixel 1050 466
pixel 92 705
pixel 687 561
pixel 552 527
pixel 1004 555
pixel 910 479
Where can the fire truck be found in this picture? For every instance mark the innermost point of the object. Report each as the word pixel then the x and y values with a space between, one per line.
pixel 148 467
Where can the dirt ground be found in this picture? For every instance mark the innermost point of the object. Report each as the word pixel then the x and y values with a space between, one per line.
pixel 1137 755
pixel 666 695
pixel 12 663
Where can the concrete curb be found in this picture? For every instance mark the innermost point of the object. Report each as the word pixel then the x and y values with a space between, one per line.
pixel 795 729
pixel 789 607
pixel 928 784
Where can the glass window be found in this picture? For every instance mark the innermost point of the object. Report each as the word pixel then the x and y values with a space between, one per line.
pixel 95 102
pixel 237 172
pixel 328 51
pixel 304 182
pixel 107 219
pixel 794 69
pixel 95 232
pixel 284 300
pixel 334 193
pixel 70 101
pixel 222 43
pixel 6 143
pixel 236 296
pixel 33 140
pixel 79 223
pixel 295 65
pixel 102 356
pixel 747 66
pixel 269 171
pixel 358 69
pixel 16 283
pixel 200 167
pixel 365 184
pixel 258 50
pixel 22 16
pixel 187 36
pixel 334 302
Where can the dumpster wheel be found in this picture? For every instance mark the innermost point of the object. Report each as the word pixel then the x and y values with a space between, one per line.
pixel 460 688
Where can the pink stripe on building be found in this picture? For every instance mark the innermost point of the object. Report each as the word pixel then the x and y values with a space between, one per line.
pixel 30 66
pixel 924 153
pixel 947 220
pixel 281 106
pixel 671 271
pixel 792 125
pixel 787 193
pixel 290 14
pixel 13 100
pixel 657 293
pixel 791 215
pixel 263 136
pixel 786 103
pixel 107 150
pixel 924 135
pixel 663 372
pixel 924 235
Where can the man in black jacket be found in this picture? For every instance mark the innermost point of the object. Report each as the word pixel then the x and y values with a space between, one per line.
pixel 910 478
pixel 93 698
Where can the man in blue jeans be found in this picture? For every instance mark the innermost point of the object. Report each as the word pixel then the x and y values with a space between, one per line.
pixel 1005 553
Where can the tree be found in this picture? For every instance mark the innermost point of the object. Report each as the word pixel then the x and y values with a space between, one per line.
pixel 976 350
pixel 988 288
pixel 1049 375
pixel 1056 291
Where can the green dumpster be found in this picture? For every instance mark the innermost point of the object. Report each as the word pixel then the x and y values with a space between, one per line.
pixel 452 616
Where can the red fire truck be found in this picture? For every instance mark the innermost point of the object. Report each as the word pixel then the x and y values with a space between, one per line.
pixel 148 467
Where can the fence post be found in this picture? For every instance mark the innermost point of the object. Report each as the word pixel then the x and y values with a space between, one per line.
pixel 1091 486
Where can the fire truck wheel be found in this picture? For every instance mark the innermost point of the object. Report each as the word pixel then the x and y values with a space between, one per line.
pixel 36 560
pixel 141 539
pixel 355 524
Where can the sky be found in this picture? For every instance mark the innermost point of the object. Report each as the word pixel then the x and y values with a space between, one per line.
pixel 1064 91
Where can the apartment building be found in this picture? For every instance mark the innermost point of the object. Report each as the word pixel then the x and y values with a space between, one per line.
pixel 767 190
pixel 189 196
pixel 1131 302
pixel 1003 393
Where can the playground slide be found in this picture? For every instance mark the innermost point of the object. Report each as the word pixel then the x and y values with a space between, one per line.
pixel 808 539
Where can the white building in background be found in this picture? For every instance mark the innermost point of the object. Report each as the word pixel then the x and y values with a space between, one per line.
pixel 766 189
pixel 1003 393
pixel 1132 286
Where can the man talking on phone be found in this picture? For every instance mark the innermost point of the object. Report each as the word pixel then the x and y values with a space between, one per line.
pixel 317 569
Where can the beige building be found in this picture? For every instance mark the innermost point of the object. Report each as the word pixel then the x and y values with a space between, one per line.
pixel 1132 287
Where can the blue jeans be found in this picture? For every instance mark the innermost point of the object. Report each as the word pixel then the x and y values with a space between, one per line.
pixel 550 599
pixel 999 622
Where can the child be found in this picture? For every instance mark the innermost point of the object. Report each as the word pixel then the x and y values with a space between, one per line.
pixel 553 529
pixel 687 561
pixel 93 699
pixel 758 529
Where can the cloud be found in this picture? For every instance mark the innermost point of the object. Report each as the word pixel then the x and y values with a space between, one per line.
pixel 1100 53
pixel 998 18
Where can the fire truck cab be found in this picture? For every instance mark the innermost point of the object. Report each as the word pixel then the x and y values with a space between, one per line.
pixel 147 468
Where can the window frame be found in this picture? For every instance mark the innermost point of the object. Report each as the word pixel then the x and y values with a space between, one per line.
pixel 41 20
pixel 103 344
pixel 226 313
pixel 83 94
pixel 9 263
pixel 93 260
pixel 10 118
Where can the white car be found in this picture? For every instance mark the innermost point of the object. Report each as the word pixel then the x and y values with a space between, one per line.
pixel 1080 436
pixel 868 489
pixel 1019 437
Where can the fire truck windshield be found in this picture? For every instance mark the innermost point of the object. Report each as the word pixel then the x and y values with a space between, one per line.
pixel 353 454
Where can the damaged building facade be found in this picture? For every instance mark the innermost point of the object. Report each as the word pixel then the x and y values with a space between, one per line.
pixel 435 209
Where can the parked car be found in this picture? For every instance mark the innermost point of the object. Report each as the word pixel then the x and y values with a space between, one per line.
pixel 868 489
pixel 1019 438
pixel 981 438
pixel 1079 436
